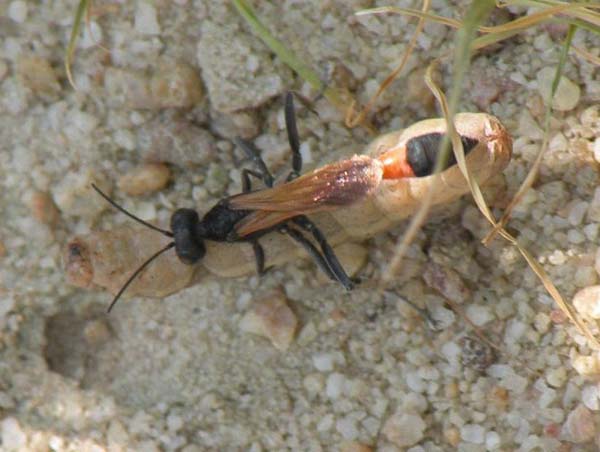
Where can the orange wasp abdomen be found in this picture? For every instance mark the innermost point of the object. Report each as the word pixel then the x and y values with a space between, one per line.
pixel 417 158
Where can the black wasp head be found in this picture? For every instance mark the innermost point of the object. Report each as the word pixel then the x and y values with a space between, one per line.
pixel 189 245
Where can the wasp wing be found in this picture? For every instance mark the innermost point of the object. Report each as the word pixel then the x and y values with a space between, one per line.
pixel 332 186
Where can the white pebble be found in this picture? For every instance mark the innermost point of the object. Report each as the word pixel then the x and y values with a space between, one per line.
pixel 492 441
pixel 452 352
pixel 590 397
pixel 567 93
pixel 575 236
pixel 273 319
pixel 146 21
pixel 414 382
pixel 556 377
pixel 580 425
pixel 84 122
pixel 252 64
pixel 174 423
pixel 472 433
pixel 479 314
pixel 404 429
pixel 17 11
pixel 325 423
pixel 335 385
pixel 313 383
pixel 585 276
pixel 347 428
pixel 557 257
pixel 577 212
pixel 514 331
pixel 558 143
pixel 92 36
pixel 587 302
pixel 323 362
pixel 591 231
pixel 586 365
pixel 528 127
pixel 74 196
pixel 13 437
pixel 541 322
pixel 306 152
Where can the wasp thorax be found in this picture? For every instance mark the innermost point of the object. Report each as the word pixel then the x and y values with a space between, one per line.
pixel 188 245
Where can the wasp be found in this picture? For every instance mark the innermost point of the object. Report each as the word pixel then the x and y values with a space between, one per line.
pixel 351 199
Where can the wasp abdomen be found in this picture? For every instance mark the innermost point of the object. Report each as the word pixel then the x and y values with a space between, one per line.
pixel 422 152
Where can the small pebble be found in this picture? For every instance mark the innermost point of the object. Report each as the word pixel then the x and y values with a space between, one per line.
pixel 588 366
pixel 172 85
pixel 323 362
pixel 335 385
pixel 74 195
pixel 347 428
pixel 528 127
pixel 175 140
pixel 13 437
pixel 452 436
pixel 404 429
pixel 594 209
pixel 145 179
pixel 325 423
pixel 577 212
pixel 353 446
pixel 116 433
pixel 447 282
pixel 587 302
pixel 43 208
pixel 476 354
pixel 590 396
pixel 79 270
pixel 580 425
pixel 314 383
pixel 472 433
pixel 17 11
pixel 556 377
pixel 479 314
pixel 273 319
pixel 96 332
pixel 146 21
pixel 567 93
pixel 37 74
pixel 176 86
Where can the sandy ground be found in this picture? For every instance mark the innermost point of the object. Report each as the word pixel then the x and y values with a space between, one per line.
pixel 180 80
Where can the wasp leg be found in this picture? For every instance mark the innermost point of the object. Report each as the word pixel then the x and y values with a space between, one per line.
pixel 293 138
pixel 328 254
pixel 310 249
pixel 259 256
pixel 246 184
pixel 253 154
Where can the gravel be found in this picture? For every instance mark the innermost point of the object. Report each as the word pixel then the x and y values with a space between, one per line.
pixel 288 361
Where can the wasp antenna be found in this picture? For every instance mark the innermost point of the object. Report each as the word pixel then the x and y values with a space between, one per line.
pixel 136 273
pixel 129 214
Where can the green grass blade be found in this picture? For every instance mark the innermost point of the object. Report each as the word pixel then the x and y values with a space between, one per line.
pixel 82 7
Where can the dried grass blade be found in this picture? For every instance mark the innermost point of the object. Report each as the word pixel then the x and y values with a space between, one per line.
pixel 531 176
pixel 353 119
